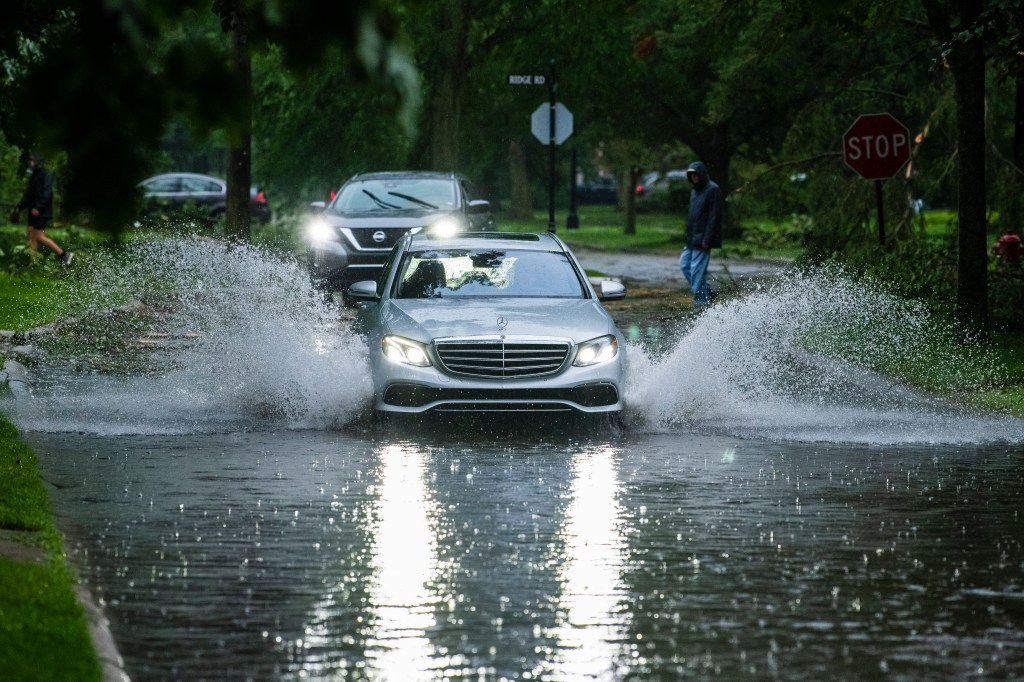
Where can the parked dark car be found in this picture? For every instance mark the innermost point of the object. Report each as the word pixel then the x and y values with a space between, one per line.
pixel 597 191
pixel 663 191
pixel 178 192
pixel 350 239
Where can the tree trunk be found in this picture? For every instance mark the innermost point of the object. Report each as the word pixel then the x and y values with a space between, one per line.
pixel 968 64
pixel 522 203
pixel 236 212
pixel 966 60
pixel 1018 127
pixel 630 200
pixel 448 83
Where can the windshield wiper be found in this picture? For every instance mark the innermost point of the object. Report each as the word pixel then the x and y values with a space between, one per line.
pixel 412 199
pixel 378 201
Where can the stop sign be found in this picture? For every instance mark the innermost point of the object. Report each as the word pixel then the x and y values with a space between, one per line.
pixel 876 146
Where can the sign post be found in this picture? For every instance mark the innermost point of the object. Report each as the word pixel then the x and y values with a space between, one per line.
pixel 876 146
pixel 550 123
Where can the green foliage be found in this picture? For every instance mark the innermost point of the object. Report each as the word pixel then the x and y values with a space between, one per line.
pixel 1006 298
pixel 154 70
pixel 313 132
pixel 915 269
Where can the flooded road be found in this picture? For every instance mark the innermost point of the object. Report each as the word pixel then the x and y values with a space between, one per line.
pixel 312 555
pixel 774 505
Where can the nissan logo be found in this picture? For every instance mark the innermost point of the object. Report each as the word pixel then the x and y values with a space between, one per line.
pixel 379 236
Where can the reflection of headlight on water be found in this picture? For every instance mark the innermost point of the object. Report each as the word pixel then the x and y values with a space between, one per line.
pixel 444 227
pixel 319 230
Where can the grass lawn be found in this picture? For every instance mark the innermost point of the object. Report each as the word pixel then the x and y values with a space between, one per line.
pixel 603 227
pixel 42 626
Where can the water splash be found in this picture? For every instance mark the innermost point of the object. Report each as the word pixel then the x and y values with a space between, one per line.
pixel 808 359
pixel 242 341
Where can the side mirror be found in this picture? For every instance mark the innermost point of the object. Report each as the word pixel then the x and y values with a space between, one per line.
pixel 479 206
pixel 316 207
pixel 608 289
pixel 365 290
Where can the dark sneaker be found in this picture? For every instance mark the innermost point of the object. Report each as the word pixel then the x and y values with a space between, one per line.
pixel 65 258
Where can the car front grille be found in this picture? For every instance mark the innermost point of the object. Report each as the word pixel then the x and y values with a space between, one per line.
pixel 501 359
pixel 364 236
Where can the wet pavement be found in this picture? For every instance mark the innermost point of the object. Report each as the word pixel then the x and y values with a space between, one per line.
pixel 544 556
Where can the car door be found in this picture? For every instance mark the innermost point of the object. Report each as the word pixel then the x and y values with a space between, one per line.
pixel 161 192
pixel 204 192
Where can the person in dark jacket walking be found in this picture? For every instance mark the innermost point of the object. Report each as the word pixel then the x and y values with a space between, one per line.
pixel 38 199
pixel 703 232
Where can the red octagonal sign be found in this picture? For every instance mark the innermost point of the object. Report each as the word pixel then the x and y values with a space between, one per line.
pixel 876 146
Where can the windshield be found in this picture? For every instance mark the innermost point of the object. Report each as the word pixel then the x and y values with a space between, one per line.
pixel 464 273
pixel 395 194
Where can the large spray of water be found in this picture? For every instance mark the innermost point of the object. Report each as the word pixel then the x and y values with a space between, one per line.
pixel 244 342
pixel 809 358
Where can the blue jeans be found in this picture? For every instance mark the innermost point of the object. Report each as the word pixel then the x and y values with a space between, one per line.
pixel 694 264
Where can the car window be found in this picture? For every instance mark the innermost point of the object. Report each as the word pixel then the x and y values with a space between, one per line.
pixel 162 185
pixel 199 185
pixel 396 194
pixel 470 273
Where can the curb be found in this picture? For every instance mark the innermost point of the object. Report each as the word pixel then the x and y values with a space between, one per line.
pixel 103 642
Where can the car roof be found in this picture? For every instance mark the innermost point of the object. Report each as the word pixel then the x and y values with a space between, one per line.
pixel 387 175
pixel 425 240
pixel 184 175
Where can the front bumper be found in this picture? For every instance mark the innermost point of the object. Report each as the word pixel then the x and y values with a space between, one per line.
pixel 413 390
pixel 599 397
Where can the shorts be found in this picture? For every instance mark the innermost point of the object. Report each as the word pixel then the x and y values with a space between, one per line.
pixel 38 222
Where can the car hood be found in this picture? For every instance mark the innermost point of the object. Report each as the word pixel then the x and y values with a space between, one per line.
pixel 426 319
pixel 404 218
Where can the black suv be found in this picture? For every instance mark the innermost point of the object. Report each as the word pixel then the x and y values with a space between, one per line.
pixel 349 239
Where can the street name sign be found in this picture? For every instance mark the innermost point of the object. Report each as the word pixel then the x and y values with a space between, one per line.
pixel 517 79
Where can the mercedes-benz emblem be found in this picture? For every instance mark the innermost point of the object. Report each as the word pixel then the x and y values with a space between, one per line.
pixel 379 236
pixel 502 323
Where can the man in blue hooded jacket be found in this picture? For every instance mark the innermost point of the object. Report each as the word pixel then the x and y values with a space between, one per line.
pixel 703 232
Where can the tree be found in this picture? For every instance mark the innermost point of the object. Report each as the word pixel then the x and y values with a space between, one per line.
pixel 236 210
pixel 956 27
pixel 115 123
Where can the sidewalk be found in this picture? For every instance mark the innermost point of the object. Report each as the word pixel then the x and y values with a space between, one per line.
pixel 656 270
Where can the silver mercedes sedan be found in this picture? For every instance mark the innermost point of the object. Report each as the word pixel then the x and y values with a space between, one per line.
pixel 490 322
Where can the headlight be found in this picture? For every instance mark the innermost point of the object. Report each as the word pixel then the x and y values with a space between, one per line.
pixel 319 230
pixel 444 227
pixel 405 351
pixel 596 351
